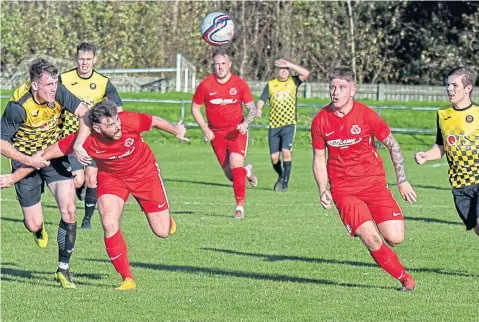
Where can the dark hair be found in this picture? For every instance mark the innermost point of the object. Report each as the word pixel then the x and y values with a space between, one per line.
pixel 40 66
pixel 343 72
pixel 104 108
pixel 221 51
pixel 86 47
pixel 468 74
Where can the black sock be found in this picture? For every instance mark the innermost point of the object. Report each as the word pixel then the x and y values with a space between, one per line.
pixel 278 168
pixel 287 171
pixel 79 190
pixel 67 234
pixel 90 202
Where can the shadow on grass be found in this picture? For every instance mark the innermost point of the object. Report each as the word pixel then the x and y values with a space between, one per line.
pixel 277 258
pixel 274 258
pixel 20 220
pixel 11 273
pixel 434 220
pixel 255 276
pixel 394 184
pixel 228 185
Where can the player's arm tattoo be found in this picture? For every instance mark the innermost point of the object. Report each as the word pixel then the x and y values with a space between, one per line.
pixel 397 158
pixel 251 108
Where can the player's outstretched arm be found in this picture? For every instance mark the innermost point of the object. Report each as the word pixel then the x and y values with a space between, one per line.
pixel 8 180
pixel 397 158
pixel 178 129
pixel 303 72
pixel 434 153
pixel 320 172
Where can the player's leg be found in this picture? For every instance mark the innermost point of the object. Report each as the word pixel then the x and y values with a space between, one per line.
pixel 90 195
pixel 287 139
pixel 219 146
pixel 29 191
pixel 466 202
pixel 60 182
pixel 274 141
pixel 78 173
pixel 150 194
pixel 112 196
pixel 358 220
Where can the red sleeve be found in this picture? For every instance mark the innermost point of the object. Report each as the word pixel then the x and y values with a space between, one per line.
pixel 138 122
pixel 316 135
pixel 66 144
pixel 199 97
pixel 380 129
pixel 246 96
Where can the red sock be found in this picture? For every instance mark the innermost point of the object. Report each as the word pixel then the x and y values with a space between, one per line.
pixel 388 260
pixel 239 184
pixel 118 253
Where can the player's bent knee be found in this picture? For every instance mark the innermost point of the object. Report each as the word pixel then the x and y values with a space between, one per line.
pixel 372 241
pixel 162 232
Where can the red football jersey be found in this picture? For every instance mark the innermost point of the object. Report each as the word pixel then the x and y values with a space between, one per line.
pixel 129 157
pixel 223 102
pixel 352 155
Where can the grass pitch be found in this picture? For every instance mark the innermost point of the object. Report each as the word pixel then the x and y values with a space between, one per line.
pixel 289 260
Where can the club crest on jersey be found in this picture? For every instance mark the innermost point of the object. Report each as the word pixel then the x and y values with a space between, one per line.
pixel 355 129
pixel 233 91
pixel 51 104
pixel 129 142
pixel 92 85
pixel 469 119
pixel 451 139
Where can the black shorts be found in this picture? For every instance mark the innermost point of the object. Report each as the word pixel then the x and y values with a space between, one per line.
pixel 75 165
pixel 30 188
pixel 281 138
pixel 467 204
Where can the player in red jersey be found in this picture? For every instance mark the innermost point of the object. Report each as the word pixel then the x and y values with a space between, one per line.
pixel 223 93
pixel 356 175
pixel 126 165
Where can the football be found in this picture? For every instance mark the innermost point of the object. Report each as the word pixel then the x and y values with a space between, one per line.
pixel 217 28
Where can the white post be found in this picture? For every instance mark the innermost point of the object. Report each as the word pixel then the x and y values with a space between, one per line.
pixel 178 72
pixel 186 80
pixel 193 82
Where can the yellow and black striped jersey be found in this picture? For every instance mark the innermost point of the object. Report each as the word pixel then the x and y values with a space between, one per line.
pixel 90 90
pixel 31 127
pixel 282 97
pixel 458 132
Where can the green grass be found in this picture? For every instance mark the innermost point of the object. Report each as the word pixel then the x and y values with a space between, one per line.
pixel 289 260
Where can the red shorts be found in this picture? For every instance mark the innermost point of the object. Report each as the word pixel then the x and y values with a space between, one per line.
pixel 148 191
pixel 229 141
pixel 374 203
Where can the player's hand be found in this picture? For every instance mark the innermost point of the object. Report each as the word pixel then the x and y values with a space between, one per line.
pixel 37 161
pixel 407 192
pixel 81 155
pixel 242 127
pixel 209 135
pixel 181 131
pixel 326 199
pixel 420 157
pixel 259 112
pixel 6 181
pixel 282 63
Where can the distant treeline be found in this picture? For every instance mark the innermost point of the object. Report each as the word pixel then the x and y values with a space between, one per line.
pixel 387 42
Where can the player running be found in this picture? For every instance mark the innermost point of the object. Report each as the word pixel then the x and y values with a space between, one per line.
pixel 356 173
pixel 126 165
pixel 223 93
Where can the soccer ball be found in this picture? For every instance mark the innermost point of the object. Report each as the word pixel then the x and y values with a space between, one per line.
pixel 217 28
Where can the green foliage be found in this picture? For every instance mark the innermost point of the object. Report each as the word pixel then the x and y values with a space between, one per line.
pixel 395 41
